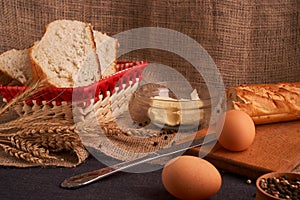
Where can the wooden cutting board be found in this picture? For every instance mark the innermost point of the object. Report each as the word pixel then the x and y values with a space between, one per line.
pixel 276 148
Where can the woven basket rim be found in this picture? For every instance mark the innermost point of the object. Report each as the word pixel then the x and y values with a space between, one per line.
pixel 125 71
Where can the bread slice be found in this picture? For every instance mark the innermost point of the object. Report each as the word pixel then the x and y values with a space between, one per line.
pixel 15 67
pixel 106 48
pixel 66 55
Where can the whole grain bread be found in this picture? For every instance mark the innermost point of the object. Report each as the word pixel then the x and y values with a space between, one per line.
pixel 66 55
pixel 15 67
pixel 267 103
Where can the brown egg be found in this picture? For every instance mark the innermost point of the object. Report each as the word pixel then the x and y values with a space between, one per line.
pixel 237 132
pixel 189 177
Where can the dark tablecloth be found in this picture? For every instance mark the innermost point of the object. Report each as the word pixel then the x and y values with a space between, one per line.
pixel 44 183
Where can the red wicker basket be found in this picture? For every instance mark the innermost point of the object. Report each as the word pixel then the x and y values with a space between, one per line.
pixel 126 72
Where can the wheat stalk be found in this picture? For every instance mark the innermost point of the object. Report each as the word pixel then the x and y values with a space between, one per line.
pixel 38 118
pixel 23 96
pixel 30 147
pixel 21 154
pixel 39 140
pixel 55 137
pixel 35 117
pixel 35 135
pixel 58 142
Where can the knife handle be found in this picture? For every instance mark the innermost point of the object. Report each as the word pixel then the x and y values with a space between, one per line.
pixel 86 178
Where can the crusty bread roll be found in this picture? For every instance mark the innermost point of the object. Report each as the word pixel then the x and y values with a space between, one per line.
pixel 66 55
pixel 106 49
pixel 15 67
pixel 267 103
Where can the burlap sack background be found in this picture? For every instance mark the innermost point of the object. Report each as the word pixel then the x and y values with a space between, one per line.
pixel 250 41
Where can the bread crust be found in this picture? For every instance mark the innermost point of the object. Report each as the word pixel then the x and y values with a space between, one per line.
pixel 6 79
pixel 94 47
pixel 267 103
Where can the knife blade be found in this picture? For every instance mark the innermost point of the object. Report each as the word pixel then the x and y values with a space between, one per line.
pixel 92 176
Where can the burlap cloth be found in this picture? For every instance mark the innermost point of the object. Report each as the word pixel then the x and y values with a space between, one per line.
pixel 250 41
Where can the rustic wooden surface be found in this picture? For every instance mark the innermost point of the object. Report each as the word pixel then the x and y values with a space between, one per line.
pixel 276 148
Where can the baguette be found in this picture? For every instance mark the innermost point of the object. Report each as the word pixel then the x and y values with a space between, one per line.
pixel 15 67
pixel 267 103
pixel 66 55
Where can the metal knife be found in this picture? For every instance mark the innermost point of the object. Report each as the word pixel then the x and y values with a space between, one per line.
pixel 92 176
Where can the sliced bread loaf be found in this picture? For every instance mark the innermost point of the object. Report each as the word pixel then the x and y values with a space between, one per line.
pixel 15 67
pixel 66 55
pixel 106 48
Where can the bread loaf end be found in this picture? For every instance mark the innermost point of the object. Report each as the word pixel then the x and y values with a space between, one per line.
pixel 267 103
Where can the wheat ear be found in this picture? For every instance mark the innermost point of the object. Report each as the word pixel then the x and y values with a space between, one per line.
pixel 30 147
pixel 21 154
